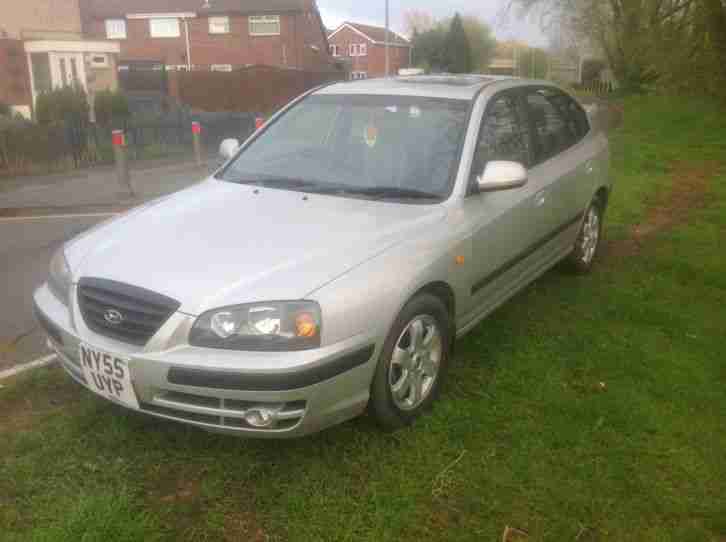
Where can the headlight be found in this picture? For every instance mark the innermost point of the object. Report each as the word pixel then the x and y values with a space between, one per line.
pixel 59 280
pixel 263 327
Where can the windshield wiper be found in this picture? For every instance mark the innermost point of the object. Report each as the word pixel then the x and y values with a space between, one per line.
pixel 395 192
pixel 287 183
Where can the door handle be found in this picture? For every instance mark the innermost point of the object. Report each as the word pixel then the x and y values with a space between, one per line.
pixel 540 198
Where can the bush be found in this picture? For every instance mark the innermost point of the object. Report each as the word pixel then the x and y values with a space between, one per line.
pixel 24 144
pixel 4 110
pixel 111 107
pixel 58 105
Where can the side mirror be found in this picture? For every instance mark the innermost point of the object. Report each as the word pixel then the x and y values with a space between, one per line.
pixel 228 148
pixel 502 175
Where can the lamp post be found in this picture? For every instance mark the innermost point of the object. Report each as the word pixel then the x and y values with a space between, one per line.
pixel 388 58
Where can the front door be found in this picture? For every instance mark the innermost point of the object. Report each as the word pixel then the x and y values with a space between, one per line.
pixel 508 224
pixel 67 70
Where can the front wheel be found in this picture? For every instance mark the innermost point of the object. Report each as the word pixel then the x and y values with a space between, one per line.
pixel 588 240
pixel 412 364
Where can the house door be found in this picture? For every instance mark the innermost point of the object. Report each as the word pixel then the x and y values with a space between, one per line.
pixel 67 70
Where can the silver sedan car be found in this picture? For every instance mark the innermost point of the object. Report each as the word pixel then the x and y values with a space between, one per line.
pixel 329 265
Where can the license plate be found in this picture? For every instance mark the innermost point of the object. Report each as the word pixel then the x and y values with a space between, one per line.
pixel 108 375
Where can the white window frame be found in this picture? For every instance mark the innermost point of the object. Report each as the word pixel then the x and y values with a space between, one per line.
pixel 264 19
pixel 221 67
pixel 358 49
pixel 115 29
pixel 334 49
pixel 219 25
pixel 98 60
pixel 169 32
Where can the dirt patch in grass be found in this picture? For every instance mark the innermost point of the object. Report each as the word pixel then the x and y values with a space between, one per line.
pixel 691 184
pixel 21 411
pixel 242 526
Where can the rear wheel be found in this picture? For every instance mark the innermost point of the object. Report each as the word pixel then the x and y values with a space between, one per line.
pixel 588 240
pixel 412 364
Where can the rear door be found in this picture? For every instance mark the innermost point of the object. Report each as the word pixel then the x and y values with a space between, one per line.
pixel 560 161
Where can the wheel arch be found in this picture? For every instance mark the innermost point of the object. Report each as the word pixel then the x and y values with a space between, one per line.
pixel 603 194
pixel 445 293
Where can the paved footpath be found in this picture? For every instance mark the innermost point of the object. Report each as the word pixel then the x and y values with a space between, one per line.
pixel 39 214
pixel 100 186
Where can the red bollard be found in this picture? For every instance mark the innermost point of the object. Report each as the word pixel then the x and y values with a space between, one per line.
pixel 118 139
pixel 196 139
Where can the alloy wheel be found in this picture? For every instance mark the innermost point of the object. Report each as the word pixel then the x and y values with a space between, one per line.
pixel 590 235
pixel 415 362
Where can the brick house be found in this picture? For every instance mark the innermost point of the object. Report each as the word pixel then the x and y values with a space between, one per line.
pixel 42 47
pixel 218 35
pixel 364 46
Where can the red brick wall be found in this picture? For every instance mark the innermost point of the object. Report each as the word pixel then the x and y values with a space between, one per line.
pixel 374 64
pixel 399 58
pixel 14 74
pixel 237 48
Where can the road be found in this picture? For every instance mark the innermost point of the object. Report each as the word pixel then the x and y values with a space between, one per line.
pixel 26 247
pixel 36 218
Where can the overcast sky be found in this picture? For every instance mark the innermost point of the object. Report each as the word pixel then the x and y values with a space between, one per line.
pixel 373 12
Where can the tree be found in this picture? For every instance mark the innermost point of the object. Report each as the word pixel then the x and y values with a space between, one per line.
pixel 457 50
pixel 417 21
pixel 647 41
pixel 430 46
pixel 481 43
pixel 428 49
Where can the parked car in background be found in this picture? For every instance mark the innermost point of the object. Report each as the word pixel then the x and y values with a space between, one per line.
pixel 330 264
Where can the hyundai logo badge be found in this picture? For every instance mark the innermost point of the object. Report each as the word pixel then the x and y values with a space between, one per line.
pixel 113 317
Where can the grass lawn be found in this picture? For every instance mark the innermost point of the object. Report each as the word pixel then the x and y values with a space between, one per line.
pixel 587 409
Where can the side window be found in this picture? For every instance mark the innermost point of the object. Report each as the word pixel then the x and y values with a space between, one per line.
pixel 576 115
pixel 503 135
pixel 553 130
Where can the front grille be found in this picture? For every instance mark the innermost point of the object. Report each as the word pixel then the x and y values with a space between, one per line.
pixel 142 312
pixel 220 412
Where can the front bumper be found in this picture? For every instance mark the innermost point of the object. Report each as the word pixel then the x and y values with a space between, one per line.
pixel 213 389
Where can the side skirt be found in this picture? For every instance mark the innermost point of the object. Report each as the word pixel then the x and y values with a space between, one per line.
pixel 514 290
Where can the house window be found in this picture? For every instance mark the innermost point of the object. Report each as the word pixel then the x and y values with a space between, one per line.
pixel 358 75
pixel 116 29
pixel 334 50
pixel 358 49
pixel 219 25
pixel 221 67
pixel 164 28
pixel 265 25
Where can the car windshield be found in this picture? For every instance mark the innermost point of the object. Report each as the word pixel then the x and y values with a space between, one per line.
pixel 379 147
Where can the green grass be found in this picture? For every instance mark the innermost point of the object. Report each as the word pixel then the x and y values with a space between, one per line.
pixel 525 435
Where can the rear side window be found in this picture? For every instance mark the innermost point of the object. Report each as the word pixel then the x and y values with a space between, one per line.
pixel 574 113
pixel 554 129
pixel 503 135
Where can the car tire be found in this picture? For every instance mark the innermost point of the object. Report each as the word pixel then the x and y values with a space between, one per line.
pixel 582 258
pixel 412 363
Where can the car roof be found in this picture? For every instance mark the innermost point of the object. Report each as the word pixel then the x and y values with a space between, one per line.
pixel 458 87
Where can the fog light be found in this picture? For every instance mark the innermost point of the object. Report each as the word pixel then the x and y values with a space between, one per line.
pixel 260 417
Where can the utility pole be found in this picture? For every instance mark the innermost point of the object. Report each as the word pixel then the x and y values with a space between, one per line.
pixel 388 58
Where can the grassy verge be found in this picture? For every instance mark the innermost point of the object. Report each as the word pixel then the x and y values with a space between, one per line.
pixel 588 408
